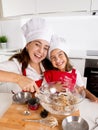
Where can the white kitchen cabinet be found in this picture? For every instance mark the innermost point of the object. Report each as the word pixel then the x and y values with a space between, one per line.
pixel 94 5
pixel 79 64
pixel 47 6
pixel 24 7
pixel 17 7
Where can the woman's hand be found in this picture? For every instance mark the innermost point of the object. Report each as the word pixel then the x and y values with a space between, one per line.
pixel 24 82
pixel 27 84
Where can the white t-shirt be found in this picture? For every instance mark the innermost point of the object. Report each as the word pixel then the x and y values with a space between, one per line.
pixel 79 80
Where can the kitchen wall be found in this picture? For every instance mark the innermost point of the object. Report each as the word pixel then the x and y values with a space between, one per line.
pixel 12 29
pixel 80 32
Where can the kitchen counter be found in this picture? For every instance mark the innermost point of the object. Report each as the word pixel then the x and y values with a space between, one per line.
pixel 8 51
pixel 5 102
pixel 82 54
pixel 13 119
pixel 88 109
pixel 5 54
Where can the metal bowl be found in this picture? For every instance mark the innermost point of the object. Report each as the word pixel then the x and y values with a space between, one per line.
pixel 22 97
pixel 74 123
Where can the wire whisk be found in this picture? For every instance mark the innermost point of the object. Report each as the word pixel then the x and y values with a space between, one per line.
pixel 49 121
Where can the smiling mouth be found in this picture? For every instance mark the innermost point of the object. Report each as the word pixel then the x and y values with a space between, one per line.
pixel 37 56
pixel 61 63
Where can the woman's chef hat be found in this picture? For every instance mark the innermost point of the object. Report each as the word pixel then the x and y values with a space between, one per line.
pixel 37 28
pixel 58 43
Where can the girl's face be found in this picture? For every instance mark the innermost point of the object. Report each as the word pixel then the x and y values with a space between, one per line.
pixel 37 50
pixel 58 59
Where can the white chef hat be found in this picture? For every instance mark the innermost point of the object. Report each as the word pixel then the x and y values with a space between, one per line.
pixel 58 42
pixel 37 28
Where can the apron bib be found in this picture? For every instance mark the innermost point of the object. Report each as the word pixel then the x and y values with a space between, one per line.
pixel 38 82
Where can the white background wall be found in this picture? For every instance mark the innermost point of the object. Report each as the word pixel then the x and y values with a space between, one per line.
pixel 11 28
pixel 80 32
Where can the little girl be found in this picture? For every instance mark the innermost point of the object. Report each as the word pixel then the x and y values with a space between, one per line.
pixel 63 72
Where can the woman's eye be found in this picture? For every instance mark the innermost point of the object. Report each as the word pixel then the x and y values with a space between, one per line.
pixel 37 44
pixel 46 48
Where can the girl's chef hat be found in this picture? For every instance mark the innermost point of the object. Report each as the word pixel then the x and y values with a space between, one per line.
pixel 37 28
pixel 58 43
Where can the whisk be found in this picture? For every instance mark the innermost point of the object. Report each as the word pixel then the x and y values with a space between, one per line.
pixel 49 121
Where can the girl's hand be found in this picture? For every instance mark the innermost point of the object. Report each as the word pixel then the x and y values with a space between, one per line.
pixel 59 86
pixel 89 95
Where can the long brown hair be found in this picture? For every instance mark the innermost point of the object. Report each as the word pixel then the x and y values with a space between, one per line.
pixel 68 66
pixel 24 58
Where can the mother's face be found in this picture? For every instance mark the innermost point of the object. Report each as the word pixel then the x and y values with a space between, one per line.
pixel 37 50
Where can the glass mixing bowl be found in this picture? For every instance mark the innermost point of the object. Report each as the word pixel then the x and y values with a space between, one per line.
pixel 60 103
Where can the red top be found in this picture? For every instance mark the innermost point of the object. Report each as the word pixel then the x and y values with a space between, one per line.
pixel 64 77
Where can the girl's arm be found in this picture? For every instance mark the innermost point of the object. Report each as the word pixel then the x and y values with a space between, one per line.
pixel 80 83
pixel 89 95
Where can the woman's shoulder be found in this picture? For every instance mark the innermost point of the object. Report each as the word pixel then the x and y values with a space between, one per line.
pixel 10 65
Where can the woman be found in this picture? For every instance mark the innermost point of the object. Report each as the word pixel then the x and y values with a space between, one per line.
pixel 63 71
pixel 27 66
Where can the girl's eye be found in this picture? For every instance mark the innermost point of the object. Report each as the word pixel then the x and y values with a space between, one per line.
pixel 61 54
pixel 53 58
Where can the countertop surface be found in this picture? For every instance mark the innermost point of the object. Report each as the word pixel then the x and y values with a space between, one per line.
pixel 88 109
pixel 5 102
pixel 93 54
pixel 8 51
pixel 13 119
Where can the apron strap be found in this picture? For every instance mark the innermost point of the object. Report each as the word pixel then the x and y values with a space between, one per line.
pixel 38 82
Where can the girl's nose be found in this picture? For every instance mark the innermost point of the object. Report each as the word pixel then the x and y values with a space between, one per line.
pixel 57 59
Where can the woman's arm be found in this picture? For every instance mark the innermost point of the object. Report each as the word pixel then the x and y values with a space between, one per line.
pixel 25 83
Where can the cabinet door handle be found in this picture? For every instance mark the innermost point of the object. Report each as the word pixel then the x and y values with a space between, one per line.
pixel 94 72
